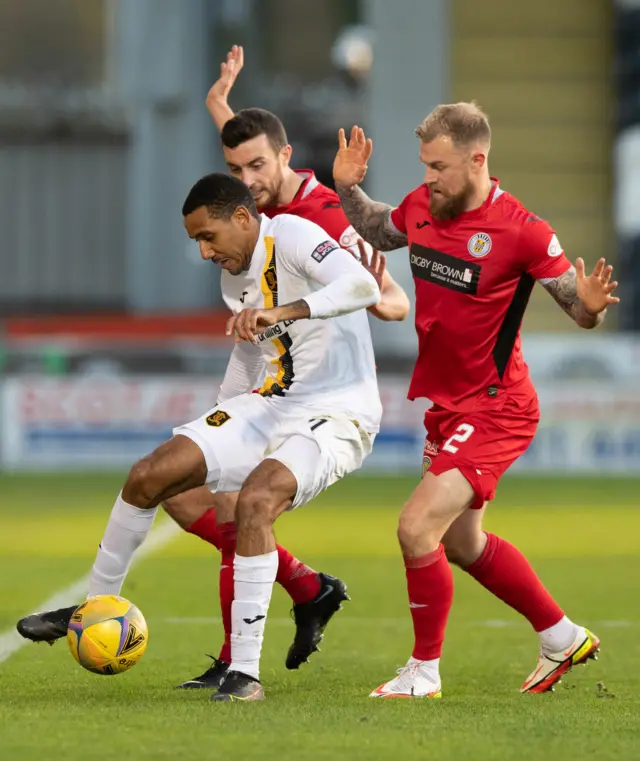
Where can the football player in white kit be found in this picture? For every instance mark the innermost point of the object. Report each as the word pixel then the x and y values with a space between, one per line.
pixel 298 409
pixel 315 413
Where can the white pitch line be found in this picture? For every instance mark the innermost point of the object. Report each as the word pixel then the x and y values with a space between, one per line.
pixel 11 641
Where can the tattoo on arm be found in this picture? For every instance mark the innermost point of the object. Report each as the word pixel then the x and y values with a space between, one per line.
pixel 564 291
pixel 296 310
pixel 371 219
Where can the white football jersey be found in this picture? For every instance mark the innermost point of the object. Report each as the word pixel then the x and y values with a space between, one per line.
pixel 324 364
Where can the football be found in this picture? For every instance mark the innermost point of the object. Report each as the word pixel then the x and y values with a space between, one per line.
pixel 107 634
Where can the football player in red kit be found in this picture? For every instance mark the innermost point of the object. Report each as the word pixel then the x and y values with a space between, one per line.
pixel 475 253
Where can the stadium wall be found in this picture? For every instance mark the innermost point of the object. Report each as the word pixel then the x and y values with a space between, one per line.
pixel 589 395
pixel 627 158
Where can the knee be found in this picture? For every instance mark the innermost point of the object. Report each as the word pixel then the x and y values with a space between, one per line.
pixel 421 527
pixel 418 533
pixel 410 530
pixel 139 490
pixel 256 507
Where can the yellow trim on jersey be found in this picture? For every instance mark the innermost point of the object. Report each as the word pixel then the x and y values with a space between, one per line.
pixel 269 279
pixel 276 386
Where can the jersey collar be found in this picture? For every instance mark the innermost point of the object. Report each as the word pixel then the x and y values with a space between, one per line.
pixel 309 184
pixel 495 193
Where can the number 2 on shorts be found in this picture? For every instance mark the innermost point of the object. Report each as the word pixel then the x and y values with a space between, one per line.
pixel 463 432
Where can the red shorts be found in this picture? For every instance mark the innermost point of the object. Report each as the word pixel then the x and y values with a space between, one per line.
pixel 482 445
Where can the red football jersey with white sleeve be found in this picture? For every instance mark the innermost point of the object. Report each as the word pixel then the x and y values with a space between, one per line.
pixel 473 279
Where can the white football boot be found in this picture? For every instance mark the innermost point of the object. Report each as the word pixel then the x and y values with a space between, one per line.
pixel 414 680
pixel 552 667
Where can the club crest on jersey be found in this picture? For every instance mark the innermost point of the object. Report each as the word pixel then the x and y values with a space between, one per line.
pixel 479 245
pixel 271 279
pixel 430 451
pixel 218 418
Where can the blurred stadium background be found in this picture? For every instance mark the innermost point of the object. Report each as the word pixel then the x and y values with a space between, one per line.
pixel 110 325
pixel 111 328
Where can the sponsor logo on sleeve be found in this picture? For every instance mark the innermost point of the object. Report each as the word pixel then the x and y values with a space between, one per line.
pixel 323 250
pixel 555 249
pixel 349 237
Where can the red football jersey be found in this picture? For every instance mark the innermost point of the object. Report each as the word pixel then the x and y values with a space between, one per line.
pixel 473 278
pixel 319 204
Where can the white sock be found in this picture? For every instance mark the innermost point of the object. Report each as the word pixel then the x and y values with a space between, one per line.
pixel 127 527
pixel 254 578
pixel 431 668
pixel 559 636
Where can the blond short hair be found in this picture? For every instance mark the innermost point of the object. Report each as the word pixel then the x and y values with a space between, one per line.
pixel 464 123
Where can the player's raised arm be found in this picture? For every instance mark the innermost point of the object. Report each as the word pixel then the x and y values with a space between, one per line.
pixel 217 97
pixel 583 297
pixel 371 219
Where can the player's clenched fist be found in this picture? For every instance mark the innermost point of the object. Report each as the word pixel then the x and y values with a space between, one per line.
pixel 350 164
pixel 251 322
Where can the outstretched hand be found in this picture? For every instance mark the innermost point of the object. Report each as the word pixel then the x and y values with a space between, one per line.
pixel 594 290
pixel 229 71
pixel 376 265
pixel 350 164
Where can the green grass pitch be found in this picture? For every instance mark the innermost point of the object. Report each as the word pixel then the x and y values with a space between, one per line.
pixel 583 536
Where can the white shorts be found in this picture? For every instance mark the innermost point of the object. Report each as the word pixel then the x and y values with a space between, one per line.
pixel 237 435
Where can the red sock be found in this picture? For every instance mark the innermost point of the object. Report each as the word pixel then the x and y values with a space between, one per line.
pixel 299 580
pixel 205 527
pixel 227 533
pixel 506 573
pixel 430 585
